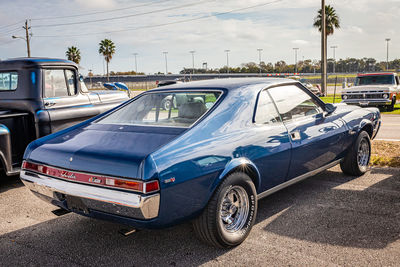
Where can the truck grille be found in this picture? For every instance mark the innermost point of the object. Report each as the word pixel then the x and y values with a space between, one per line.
pixel 365 96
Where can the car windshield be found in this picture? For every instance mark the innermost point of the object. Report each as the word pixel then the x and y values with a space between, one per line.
pixel 174 109
pixel 375 80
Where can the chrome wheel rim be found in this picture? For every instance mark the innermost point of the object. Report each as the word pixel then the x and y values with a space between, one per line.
pixel 363 154
pixel 234 209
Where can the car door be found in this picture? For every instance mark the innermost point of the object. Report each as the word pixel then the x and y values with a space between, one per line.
pixel 61 97
pixel 271 144
pixel 317 138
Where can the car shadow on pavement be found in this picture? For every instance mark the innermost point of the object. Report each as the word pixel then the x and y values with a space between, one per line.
pixel 9 182
pixel 321 209
pixel 335 209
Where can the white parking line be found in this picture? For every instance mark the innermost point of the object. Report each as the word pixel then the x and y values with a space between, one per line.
pixel 388 140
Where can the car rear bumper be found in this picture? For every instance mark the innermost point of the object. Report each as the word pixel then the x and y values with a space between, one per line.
pixel 85 198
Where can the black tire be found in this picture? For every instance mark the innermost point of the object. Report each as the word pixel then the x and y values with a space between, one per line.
pixel 357 159
pixel 391 107
pixel 212 227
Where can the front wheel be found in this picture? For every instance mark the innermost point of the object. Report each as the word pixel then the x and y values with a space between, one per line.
pixel 357 159
pixel 230 214
pixel 391 107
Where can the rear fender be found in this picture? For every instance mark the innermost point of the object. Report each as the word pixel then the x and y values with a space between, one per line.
pixel 240 165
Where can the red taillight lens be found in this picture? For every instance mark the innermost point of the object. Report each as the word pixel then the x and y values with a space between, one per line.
pixel 152 186
pixel 139 186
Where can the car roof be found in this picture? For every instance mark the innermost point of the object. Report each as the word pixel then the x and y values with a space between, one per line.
pixel 226 83
pixel 34 62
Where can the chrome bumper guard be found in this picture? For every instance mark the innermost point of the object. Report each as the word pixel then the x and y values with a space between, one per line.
pixel 368 101
pixel 93 198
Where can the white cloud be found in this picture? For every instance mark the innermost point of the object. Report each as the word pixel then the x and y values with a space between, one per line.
pixel 300 42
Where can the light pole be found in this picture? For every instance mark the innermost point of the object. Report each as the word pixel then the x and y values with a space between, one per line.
pixel 334 57
pixel 323 49
pixel 259 58
pixel 192 52
pixel 135 54
pixel 295 58
pixel 27 38
pixel 90 77
pixel 387 53
pixel 227 60
pixel 166 62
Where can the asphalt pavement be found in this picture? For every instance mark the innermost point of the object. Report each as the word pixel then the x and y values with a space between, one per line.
pixel 390 129
pixel 328 220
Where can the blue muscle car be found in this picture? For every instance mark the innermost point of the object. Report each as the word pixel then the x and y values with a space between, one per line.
pixel 209 161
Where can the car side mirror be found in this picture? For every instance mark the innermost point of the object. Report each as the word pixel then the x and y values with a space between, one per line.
pixel 330 108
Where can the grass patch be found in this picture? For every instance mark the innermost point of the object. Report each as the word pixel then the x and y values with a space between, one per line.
pixel 329 99
pixel 385 154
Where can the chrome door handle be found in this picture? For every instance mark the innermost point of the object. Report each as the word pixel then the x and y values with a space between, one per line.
pixel 295 135
pixel 49 104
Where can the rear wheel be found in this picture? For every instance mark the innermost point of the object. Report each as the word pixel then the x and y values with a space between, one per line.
pixel 230 214
pixel 357 159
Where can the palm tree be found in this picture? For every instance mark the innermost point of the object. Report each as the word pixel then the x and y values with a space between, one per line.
pixel 73 54
pixel 107 49
pixel 332 20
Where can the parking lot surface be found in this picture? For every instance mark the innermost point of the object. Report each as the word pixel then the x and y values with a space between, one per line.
pixel 328 220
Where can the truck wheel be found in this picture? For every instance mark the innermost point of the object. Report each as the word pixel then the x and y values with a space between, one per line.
pixel 230 214
pixel 391 107
pixel 357 159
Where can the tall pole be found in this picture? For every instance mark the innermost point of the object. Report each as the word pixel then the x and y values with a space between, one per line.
pixel 295 58
pixel 387 53
pixel 135 54
pixel 323 48
pixel 192 52
pixel 28 48
pixel 227 60
pixel 334 57
pixel 166 62
pixel 259 58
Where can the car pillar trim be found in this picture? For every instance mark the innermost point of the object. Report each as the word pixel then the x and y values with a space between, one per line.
pixel 103 199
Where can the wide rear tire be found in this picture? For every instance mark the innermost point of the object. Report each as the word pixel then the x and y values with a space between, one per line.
pixel 230 214
pixel 357 159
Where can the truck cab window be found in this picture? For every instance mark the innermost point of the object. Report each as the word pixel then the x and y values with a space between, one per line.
pixel 8 81
pixel 57 83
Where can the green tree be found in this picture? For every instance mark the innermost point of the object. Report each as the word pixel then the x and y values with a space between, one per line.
pixel 107 49
pixel 332 20
pixel 73 54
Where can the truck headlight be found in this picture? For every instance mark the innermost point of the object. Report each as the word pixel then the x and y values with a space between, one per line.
pixel 385 96
pixel 344 97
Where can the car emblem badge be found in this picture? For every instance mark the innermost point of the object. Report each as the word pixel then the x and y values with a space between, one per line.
pixel 170 180
pixel 71 159
pixel 68 175
pixel 94 180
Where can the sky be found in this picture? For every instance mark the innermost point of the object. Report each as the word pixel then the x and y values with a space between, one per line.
pixel 208 27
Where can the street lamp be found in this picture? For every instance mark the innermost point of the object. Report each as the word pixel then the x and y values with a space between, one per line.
pixel 295 58
pixel 166 63
pixel 192 52
pixel 27 38
pixel 227 60
pixel 334 57
pixel 259 57
pixel 387 53
pixel 135 54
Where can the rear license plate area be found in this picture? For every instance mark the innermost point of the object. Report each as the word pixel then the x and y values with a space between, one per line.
pixel 76 204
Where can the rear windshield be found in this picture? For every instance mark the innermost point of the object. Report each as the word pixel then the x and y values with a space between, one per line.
pixel 375 80
pixel 8 81
pixel 174 109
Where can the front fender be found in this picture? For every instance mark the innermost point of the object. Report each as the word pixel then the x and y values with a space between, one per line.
pixel 240 164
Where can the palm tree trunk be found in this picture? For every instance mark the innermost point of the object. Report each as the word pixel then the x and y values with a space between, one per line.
pixel 108 76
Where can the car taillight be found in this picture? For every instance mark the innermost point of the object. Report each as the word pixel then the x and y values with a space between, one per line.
pixel 139 186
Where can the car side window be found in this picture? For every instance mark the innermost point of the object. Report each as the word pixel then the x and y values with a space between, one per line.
pixel 59 83
pixel 266 112
pixel 293 103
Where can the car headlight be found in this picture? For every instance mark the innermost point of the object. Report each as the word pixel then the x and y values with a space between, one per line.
pixel 385 96
pixel 344 97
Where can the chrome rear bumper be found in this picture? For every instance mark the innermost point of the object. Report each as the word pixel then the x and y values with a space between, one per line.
pixel 111 201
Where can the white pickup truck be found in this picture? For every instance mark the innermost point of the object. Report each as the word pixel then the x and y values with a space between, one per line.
pixel 373 89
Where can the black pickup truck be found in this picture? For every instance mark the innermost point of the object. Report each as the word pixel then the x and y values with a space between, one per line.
pixel 39 96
